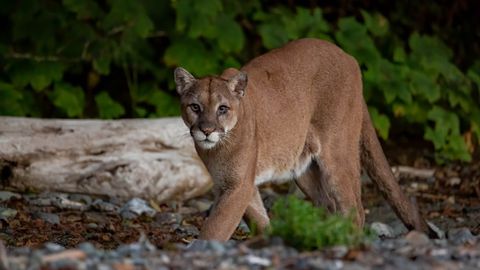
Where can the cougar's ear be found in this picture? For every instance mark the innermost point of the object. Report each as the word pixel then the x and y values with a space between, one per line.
pixel 183 80
pixel 238 83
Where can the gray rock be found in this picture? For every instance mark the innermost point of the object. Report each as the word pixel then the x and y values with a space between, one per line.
pixel 417 239
pixel 92 225
pixel 136 207
pixel 6 213
pixel 40 201
pixel 202 245
pixel 187 230
pixel 53 247
pixel 104 206
pixel 459 236
pixel 82 198
pixel 382 229
pixel 200 204
pixel 88 248
pixel 440 234
pixel 168 218
pixel 243 227
pixel 48 217
pixel 7 195
pixel 63 202
pixel 255 260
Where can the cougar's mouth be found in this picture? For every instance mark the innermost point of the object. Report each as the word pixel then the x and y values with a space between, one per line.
pixel 204 141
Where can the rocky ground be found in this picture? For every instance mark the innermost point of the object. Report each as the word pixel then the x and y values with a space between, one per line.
pixel 77 231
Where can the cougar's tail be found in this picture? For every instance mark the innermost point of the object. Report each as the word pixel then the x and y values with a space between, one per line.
pixel 375 163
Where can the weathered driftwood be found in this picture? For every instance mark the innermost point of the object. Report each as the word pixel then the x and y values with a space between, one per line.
pixel 153 159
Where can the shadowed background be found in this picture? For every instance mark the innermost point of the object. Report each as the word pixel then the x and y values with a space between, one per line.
pixel 114 59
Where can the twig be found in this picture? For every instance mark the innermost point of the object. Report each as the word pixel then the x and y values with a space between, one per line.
pixel 413 172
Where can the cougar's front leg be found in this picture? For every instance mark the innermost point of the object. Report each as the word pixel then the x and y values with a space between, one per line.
pixel 228 209
pixel 257 213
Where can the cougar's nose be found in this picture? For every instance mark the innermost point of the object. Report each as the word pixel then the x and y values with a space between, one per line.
pixel 207 130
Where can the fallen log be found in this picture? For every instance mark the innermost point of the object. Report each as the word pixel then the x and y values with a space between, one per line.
pixel 152 159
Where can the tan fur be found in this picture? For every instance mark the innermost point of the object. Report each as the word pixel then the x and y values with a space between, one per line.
pixel 296 113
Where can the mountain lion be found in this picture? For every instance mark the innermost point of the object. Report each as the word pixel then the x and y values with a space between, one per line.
pixel 298 113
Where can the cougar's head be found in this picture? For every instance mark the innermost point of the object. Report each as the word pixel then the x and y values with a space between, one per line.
pixel 210 105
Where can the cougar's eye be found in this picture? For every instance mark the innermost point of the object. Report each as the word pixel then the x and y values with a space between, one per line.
pixel 222 109
pixel 195 107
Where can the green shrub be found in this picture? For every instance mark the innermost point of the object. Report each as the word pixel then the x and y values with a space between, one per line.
pixel 304 226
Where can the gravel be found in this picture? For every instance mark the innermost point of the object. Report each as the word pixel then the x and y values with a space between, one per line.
pixel 413 251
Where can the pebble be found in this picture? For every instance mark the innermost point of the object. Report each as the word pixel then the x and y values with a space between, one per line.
pixel 82 198
pixel 6 213
pixel 63 202
pixel 104 206
pixel 460 236
pixel 53 247
pixel 417 239
pixel 382 229
pixel 48 217
pixel 203 254
pixel 440 234
pixel 255 260
pixel 7 195
pixel 136 207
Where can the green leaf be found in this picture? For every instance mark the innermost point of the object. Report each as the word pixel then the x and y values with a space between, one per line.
pixel 143 25
pixel 381 122
pixel 422 84
pixel 102 65
pixel 376 23
pixel 10 100
pixel 231 38
pixel 107 107
pixel 399 54
pixel 68 98
pixel 353 38
pixel 192 55
pixel 38 74
pixel 85 9
pixel 165 104
pixel 446 136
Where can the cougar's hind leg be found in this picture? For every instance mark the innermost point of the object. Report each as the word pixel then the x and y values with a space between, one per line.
pixel 312 184
pixel 343 180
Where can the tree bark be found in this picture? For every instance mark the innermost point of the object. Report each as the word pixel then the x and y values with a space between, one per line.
pixel 151 159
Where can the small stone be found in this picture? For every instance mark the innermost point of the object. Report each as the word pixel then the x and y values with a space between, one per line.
pixel 48 217
pixel 439 233
pixel 460 236
pixel 6 213
pixel 104 206
pixel 88 248
pixel 201 205
pixel 53 247
pixel 70 254
pixel 454 181
pixel 61 201
pixel 440 253
pixel 40 201
pixel 82 198
pixel 7 195
pixel 92 225
pixel 243 227
pixel 187 230
pixel 338 251
pixel 202 245
pixel 417 239
pixel 168 218
pixel 382 229
pixel 136 207
pixel 255 260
